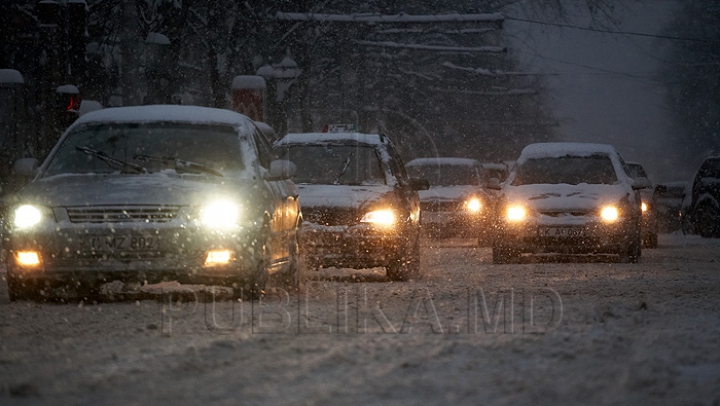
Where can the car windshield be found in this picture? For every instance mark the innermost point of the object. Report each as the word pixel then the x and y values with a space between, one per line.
pixel 636 171
pixel 335 164
pixel 489 173
pixel 445 175
pixel 152 147
pixel 572 170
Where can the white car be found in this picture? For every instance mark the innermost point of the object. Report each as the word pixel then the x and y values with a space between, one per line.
pixel 573 198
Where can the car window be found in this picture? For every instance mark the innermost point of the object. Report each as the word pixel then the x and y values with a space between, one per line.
pixel 573 170
pixel 710 169
pixel 445 175
pixel 489 173
pixel 265 151
pixel 335 164
pixel 636 171
pixel 217 147
pixel 396 164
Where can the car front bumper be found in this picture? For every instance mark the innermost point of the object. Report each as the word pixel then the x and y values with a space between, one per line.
pixel 132 253
pixel 456 223
pixel 357 246
pixel 580 236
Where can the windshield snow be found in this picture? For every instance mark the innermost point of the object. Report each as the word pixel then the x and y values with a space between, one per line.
pixel 445 175
pixel 208 148
pixel 572 170
pixel 335 164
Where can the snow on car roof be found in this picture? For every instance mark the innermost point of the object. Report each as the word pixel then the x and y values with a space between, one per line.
pixel 185 114
pixel 319 138
pixel 11 76
pixel 494 165
pixel 560 149
pixel 442 161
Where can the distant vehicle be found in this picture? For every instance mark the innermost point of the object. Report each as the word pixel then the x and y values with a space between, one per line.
pixel 573 198
pixel 360 208
pixel 489 170
pixel 701 203
pixel 649 224
pixel 456 203
pixel 668 197
pixel 154 193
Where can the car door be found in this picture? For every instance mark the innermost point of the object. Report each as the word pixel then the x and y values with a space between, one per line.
pixel 409 197
pixel 286 209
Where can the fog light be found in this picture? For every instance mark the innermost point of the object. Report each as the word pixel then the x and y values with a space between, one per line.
pixel 27 258
pixel 218 257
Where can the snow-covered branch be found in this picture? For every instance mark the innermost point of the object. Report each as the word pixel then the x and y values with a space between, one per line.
pixel 422 47
pixel 488 72
pixel 397 18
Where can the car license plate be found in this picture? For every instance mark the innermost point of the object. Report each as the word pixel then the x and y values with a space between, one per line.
pixel 120 243
pixel 561 232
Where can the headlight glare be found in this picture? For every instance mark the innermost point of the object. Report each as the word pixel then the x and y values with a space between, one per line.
pixel 383 218
pixel 516 213
pixel 644 207
pixel 473 205
pixel 27 216
pixel 220 214
pixel 610 213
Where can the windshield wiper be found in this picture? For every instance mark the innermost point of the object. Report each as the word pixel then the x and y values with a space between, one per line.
pixel 178 164
pixel 346 163
pixel 110 161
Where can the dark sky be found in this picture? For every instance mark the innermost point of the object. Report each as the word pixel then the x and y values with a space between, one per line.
pixel 607 87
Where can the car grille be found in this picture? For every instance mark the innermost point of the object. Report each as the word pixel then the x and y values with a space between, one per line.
pixel 331 216
pixel 434 205
pixel 566 213
pixel 124 214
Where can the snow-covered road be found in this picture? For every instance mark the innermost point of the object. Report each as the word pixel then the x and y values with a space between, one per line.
pixel 468 332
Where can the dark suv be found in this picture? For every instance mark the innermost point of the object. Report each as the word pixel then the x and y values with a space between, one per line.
pixel 359 207
pixel 700 211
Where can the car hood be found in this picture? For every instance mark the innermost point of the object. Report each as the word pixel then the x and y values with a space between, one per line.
pixel 582 197
pixel 341 196
pixel 116 189
pixel 448 193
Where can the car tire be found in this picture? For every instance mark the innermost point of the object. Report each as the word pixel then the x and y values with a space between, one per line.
pixel 631 254
pixel 252 286
pixel 706 223
pixel 290 277
pixel 23 289
pixel 403 267
pixel 650 241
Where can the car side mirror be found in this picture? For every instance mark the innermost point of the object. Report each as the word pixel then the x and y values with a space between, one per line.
pixel 418 184
pixel 281 169
pixel 26 167
pixel 493 184
pixel 641 183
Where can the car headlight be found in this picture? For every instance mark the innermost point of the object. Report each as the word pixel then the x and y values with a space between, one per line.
pixel 609 213
pixel 27 216
pixel 220 214
pixel 473 205
pixel 644 207
pixel 516 213
pixel 383 218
